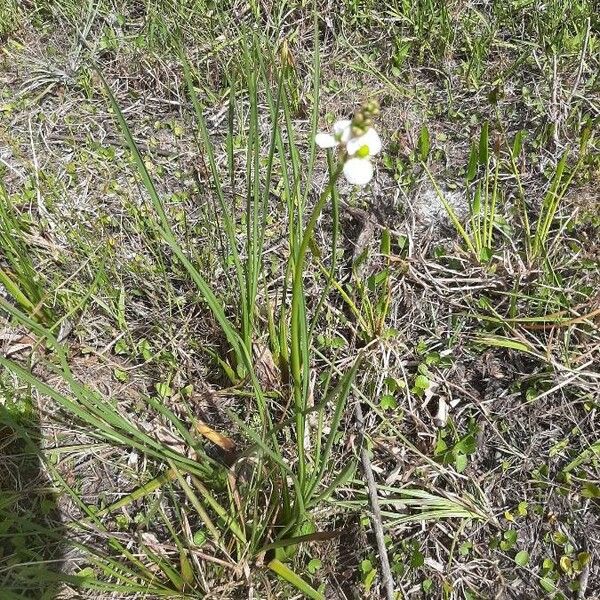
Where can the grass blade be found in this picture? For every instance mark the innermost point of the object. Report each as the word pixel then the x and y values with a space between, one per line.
pixel 286 573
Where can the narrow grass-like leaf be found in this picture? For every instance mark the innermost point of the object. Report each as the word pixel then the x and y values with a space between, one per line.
pixel 298 343
pixel 451 212
pixel 484 144
pixel 207 148
pixel 227 519
pixel 215 533
pixel 587 454
pixel 424 143
pixel 502 342
pixel 472 164
pixel 339 396
pixel 286 573
pixel 208 296
pixel 317 536
pixel 141 492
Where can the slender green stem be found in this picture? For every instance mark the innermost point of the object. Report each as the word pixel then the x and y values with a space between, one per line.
pixel 492 214
pixel 335 228
pixel 298 324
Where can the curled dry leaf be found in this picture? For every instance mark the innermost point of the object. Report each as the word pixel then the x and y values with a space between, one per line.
pixel 15 343
pixel 266 370
pixel 215 437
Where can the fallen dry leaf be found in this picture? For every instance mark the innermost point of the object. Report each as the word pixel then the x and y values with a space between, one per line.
pixel 215 437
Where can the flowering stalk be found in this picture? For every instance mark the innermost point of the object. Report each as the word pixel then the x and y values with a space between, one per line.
pixel 358 141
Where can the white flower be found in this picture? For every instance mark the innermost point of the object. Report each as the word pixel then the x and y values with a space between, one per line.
pixel 367 144
pixel 358 171
pixel 342 131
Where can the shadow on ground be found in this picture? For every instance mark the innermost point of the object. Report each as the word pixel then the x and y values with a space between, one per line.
pixel 31 533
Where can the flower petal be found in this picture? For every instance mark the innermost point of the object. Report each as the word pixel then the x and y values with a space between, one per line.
pixel 342 130
pixel 370 139
pixel 358 171
pixel 354 145
pixel 325 140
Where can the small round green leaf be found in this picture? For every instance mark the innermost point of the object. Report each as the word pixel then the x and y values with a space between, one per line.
pixel 199 538
pixel 522 558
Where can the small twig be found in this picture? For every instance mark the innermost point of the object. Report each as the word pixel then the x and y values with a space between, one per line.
pixel 388 581
pixel 36 170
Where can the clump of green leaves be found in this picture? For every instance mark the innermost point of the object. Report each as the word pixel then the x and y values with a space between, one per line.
pixel 21 279
pixel 488 165
pixel 452 449
pixel 240 519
